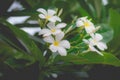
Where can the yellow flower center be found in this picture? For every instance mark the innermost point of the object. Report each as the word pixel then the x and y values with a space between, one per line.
pixel 86 24
pixel 56 43
pixel 48 16
pixel 95 41
pixel 53 30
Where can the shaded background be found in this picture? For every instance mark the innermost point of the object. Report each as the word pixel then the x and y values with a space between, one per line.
pixel 22 13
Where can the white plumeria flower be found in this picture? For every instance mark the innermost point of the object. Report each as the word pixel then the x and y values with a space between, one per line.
pixel 96 40
pixel 57 44
pixel 87 24
pixel 91 47
pixel 48 15
pixel 52 29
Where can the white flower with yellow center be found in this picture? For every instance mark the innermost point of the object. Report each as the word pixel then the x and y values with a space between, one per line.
pixel 48 15
pixel 96 40
pixel 87 24
pixel 52 29
pixel 91 47
pixel 57 44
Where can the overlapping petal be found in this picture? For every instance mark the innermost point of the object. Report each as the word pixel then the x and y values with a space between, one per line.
pixel 65 44
pixel 98 37
pixel 51 12
pixel 59 36
pixel 61 25
pixel 62 51
pixel 92 48
pixel 79 23
pixel 51 25
pixel 45 32
pixel 43 11
pixel 53 48
pixel 102 46
pixel 42 16
pixel 49 39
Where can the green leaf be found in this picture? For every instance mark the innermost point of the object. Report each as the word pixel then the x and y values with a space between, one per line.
pixel 5 51
pixel 19 60
pixel 114 22
pixel 107 32
pixel 98 6
pixel 83 12
pixel 13 57
pixel 26 41
pixel 89 58
pixel 32 3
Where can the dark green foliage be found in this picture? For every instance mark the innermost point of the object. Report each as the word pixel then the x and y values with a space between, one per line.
pixel 20 51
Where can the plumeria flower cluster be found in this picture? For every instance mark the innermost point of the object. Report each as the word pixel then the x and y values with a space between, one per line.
pixel 95 41
pixel 53 33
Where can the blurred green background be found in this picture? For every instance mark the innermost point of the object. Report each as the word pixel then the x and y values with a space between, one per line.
pixel 23 14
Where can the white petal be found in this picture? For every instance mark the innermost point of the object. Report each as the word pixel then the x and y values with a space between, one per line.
pixel 59 36
pixel 79 23
pixel 56 32
pixel 51 25
pixel 62 51
pixel 61 25
pixel 94 49
pixel 102 46
pixel 42 11
pixel 53 48
pixel 92 34
pixel 98 37
pixel 44 31
pixel 99 52
pixel 83 18
pixel 57 18
pixel 65 44
pixel 90 29
pixel 47 34
pixel 49 39
pixel 51 12
pixel 52 19
pixel 41 16
pixel 92 42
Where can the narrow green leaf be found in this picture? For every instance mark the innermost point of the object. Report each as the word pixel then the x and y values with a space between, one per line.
pixel 26 41
pixel 114 22
pixel 90 58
